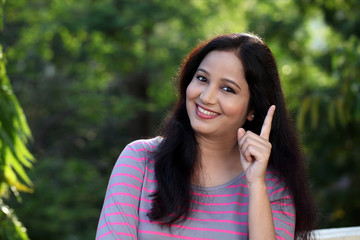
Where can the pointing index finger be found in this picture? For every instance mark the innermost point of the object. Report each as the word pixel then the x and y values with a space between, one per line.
pixel 266 127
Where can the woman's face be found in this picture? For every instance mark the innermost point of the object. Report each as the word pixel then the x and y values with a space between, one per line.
pixel 217 97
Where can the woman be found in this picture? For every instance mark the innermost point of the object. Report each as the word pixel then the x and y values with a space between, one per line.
pixel 228 164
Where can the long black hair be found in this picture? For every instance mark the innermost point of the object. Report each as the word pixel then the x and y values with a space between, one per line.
pixel 177 155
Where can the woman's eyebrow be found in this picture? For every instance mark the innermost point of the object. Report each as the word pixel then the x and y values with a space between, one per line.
pixel 224 79
pixel 203 70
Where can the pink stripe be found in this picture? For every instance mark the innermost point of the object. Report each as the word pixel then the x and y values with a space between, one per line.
pixel 130 195
pixel 146 200
pixel 122 194
pixel 123 184
pixel 118 213
pixel 220 204
pixel 149 170
pixel 219 195
pixel 285 213
pixel 272 179
pixel 282 204
pixel 134 158
pixel 219 212
pixel 291 224
pixel 280 238
pixel 141 142
pixel 239 185
pixel 125 234
pixel 105 234
pixel 150 180
pixel 121 204
pixel 118 223
pixel 286 197
pixel 244 185
pixel 117 233
pixel 148 190
pixel 171 235
pixel 204 229
pixel 128 175
pixel 283 229
pixel 132 176
pixel 196 210
pixel 144 210
pixel 216 220
pixel 130 166
pixel 279 190
pixel 137 150
pixel 129 185
pixel 136 168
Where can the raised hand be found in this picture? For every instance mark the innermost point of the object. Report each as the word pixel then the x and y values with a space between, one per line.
pixel 255 150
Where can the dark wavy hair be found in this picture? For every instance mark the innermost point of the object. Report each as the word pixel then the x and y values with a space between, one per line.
pixel 177 155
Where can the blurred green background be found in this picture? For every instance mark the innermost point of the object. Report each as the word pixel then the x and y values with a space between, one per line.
pixel 92 75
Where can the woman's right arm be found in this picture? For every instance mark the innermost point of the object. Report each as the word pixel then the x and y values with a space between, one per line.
pixel 119 216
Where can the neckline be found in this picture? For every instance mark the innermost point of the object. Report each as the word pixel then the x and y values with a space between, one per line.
pixel 214 188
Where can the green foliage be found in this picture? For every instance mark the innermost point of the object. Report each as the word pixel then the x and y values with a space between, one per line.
pixel 14 133
pixel 14 155
pixel 10 227
pixel 67 198
pixel 329 111
pixel 340 100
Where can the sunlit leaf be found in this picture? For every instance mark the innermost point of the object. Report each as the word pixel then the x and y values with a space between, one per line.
pixel 304 108
pixel 331 114
pixel 339 103
pixel 10 227
pixel 315 112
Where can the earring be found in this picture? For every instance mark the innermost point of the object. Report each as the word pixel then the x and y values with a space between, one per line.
pixel 253 116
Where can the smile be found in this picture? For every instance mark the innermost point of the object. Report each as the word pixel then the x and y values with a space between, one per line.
pixel 207 114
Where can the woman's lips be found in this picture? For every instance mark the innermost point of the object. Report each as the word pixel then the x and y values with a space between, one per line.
pixel 205 113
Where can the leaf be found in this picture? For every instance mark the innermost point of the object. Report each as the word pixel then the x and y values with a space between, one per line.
pixel 315 112
pixel 14 135
pixel 13 163
pixel 10 227
pixel 331 114
pixel 304 108
pixel 339 102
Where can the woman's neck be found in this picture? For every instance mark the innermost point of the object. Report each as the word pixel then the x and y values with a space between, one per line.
pixel 216 146
pixel 220 160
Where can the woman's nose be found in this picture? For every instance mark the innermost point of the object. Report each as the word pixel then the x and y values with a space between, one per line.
pixel 209 95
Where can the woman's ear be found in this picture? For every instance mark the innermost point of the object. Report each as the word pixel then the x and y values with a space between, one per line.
pixel 251 115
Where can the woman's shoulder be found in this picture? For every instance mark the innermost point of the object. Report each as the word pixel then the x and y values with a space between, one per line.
pixel 144 145
pixel 139 152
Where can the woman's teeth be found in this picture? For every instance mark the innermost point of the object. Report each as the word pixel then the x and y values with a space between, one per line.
pixel 206 112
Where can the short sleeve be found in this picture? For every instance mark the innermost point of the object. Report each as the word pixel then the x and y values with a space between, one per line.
pixel 119 217
pixel 283 211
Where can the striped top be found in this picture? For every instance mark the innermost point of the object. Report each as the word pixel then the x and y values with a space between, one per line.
pixel 219 212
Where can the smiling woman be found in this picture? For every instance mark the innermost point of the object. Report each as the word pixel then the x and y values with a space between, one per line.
pixel 218 90
pixel 227 166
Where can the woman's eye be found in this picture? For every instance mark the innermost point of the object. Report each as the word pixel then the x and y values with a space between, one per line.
pixel 202 79
pixel 229 89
